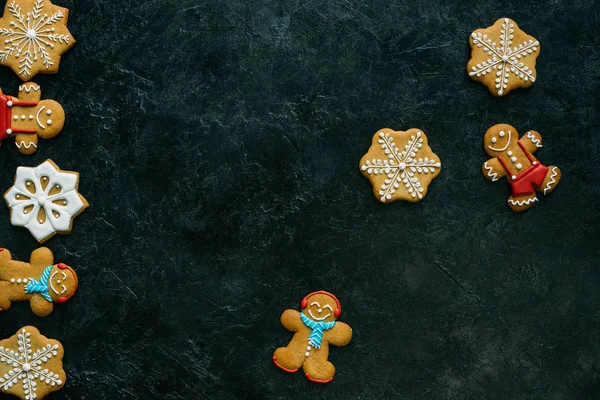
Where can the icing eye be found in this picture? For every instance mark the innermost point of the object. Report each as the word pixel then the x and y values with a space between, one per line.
pixel 328 306
pixel 314 303
pixel 494 140
pixel 501 134
pixel 49 112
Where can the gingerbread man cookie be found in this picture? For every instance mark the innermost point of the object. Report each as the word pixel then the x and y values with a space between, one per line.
pixel 28 117
pixel 400 165
pixel 513 158
pixel 31 365
pixel 41 282
pixel 316 327
pixel 35 36
pixel 503 57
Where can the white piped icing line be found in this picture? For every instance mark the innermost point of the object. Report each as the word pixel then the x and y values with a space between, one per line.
pixel 504 59
pixel 401 167
pixel 507 142
pixel 522 202
pixel 37 117
pixel 551 181
pixel 26 366
pixel 533 139
pixel 32 36
pixel 26 145
pixel 29 196
pixel 28 87
pixel 491 174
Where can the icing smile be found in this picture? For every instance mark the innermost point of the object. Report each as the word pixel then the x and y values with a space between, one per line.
pixel 494 140
pixel 58 282
pixel 320 310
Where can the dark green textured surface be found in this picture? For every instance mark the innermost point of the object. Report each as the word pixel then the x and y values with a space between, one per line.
pixel 218 144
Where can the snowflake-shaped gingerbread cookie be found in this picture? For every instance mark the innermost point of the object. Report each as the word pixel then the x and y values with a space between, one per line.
pixel 31 365
pixel 45 200
pixel 400 165
pixel 503 57
pixel 34 36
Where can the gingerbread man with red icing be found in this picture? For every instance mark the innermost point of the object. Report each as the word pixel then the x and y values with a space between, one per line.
pixel 41 282
pixel 513 158
pixel 315 328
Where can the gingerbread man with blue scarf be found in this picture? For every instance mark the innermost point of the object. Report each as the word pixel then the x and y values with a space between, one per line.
pixel 41 282
pixel 316 327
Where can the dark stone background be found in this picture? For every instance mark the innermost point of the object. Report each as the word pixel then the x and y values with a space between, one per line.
pixel 218 144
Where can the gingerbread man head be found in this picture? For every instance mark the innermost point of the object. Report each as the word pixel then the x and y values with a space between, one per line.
pixel 28 117
pixel 62 283
pixel 321 307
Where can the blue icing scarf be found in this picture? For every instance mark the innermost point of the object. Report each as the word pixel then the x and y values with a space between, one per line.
pixel 316 336
pixel 40 287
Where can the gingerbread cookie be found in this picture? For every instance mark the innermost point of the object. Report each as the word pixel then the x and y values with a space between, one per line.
pixel 41 282
pixel 400 165
pixel 513 158
pixel 31 365
pixel 503 57
pixel 316 327
pixel 35 36
pixel 27 117
pixel 45 200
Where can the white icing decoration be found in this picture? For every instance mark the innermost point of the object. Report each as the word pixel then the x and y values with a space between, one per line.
pixel 505 147
pixel 23 117
pixel 15 117
pixel 328 306
pixel 401 167
pixel 49 112
pixel 9 131
pixel 522 202
pixel 491 174
pixel 307 354
pixel 49 122
pixel 494 140
pixel 552 180
pixel 533 139
pixel 37 117
pixel 318 319
pixel 31 36
pixel 58 282
pixel 513 159
pixel 28 87
pixel 501 134
pixel 510 153
pixel 504 59
pixel 26 145
pixel 28 366
pixel 52 224
pixel 519 166
pixel 30 117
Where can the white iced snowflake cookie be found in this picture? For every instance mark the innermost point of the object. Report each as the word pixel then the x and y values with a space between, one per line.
pixel 400 165
pixel 45 200
pixel 34 36
pixel 503 57
pixel 31 365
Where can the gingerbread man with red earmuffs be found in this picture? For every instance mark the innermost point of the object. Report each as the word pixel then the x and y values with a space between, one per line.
pixel 41 282
pixel 28 118
pixel 315 328
pixel 513 158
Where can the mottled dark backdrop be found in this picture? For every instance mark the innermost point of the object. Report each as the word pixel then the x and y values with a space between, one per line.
pixel 218 144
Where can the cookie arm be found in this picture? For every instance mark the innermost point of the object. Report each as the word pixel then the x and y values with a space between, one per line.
pixel 532 141
pixel 290 319
pixel 492 169
pixel 339 335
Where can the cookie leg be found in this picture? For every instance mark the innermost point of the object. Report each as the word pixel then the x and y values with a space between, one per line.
pixel 318 369
pixel 288 359
pixel 26 142
pixel 551 181
pixel 522 203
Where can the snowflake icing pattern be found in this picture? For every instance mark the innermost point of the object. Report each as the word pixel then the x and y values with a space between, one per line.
pixel 504 59
pixel 27 366
pixel 402 167
pixel 44 200
pixel 32 36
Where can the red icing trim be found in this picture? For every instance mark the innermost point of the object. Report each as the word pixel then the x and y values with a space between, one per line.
pixel 1 249
pixel 6 115
pixel 304 302
pixel 317 380
pixel 527 153
pixel 291 371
